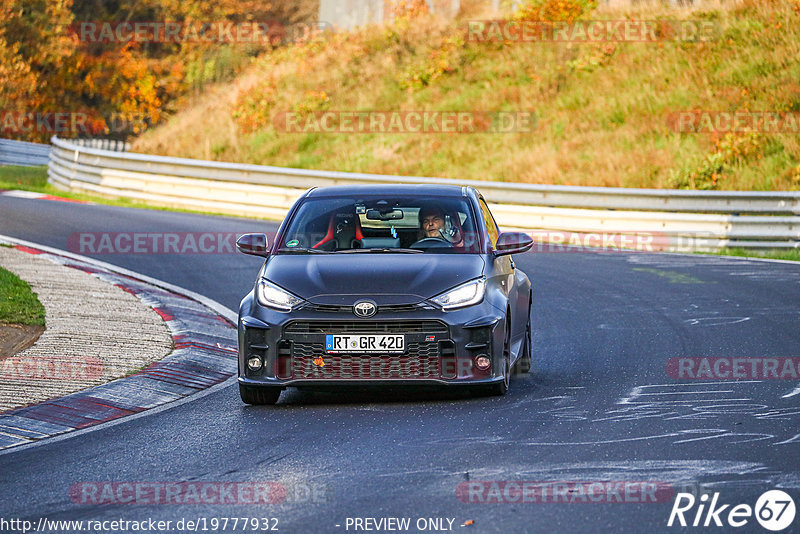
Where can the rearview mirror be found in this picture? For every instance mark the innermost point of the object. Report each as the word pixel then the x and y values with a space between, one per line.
pixel 513 243
pixel 391 215
pixel 253 244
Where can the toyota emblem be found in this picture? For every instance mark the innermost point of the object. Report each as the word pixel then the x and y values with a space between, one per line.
pixel 364 308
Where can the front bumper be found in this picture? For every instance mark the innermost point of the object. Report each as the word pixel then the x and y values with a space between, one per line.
pixel 440 347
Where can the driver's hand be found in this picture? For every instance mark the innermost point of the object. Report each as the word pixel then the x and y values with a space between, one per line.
pixel 452 237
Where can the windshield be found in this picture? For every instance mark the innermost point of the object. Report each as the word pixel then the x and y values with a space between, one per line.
pixel 413 225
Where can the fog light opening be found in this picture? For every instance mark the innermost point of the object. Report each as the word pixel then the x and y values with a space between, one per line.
pixel 482 362
pixel 254 363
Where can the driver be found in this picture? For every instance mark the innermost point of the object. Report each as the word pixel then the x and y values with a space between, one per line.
pixel 431 222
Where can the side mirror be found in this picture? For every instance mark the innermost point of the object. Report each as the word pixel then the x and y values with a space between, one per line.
pixel 253 244
pixel 513 243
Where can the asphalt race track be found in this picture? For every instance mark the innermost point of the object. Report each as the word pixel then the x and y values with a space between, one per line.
pixel 599 407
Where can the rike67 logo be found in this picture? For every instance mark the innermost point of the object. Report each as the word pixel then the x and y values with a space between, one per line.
pixel 774 510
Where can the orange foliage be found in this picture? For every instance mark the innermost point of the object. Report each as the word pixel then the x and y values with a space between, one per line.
pixel 409 9
pixel 46 68
pixel 554 10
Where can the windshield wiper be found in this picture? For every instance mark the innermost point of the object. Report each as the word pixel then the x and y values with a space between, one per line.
pixel 296 250
pixel 389 250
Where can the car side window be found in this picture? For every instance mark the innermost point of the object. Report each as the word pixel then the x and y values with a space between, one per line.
pixel 491 227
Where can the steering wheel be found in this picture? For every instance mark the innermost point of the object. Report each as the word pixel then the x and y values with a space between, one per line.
pixel 432 242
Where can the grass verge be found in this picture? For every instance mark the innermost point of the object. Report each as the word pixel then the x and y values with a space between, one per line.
pixel 18 303
pixel 788 255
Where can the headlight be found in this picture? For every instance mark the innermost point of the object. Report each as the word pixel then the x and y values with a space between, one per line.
pixel 463 295
pixel 273 296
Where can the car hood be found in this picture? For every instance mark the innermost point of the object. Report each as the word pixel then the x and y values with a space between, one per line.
pixel 339 279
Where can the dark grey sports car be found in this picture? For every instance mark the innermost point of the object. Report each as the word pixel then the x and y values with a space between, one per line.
pixel 385 285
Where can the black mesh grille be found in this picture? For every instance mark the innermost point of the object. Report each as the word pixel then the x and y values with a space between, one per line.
pixel 309 361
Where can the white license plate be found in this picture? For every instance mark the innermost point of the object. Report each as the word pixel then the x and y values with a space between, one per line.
pixel 365 343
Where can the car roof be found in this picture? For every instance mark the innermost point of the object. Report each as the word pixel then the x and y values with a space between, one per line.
pixel 389 189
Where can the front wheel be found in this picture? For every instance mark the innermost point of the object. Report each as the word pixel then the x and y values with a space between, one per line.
pixel 524 363
pixel 500 388
pixel 259 395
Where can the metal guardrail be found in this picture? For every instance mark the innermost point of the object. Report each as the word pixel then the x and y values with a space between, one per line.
pixel 23 154
pixel 692 220
pixel 117 145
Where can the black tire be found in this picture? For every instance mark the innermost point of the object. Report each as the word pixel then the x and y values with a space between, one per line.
pixel 524 363
pixel 259 395
pixel 500 388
